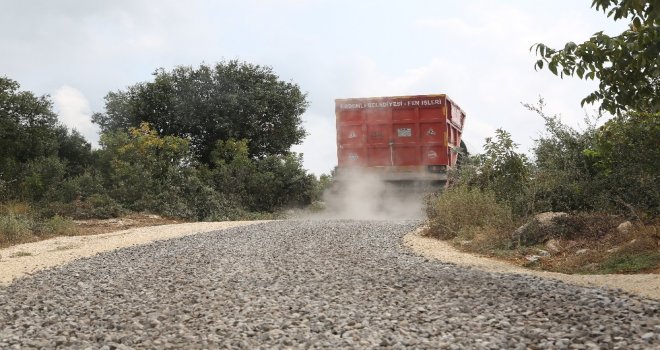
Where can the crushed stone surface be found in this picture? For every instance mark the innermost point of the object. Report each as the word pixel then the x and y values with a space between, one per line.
pixel 309 284
pixel 28 258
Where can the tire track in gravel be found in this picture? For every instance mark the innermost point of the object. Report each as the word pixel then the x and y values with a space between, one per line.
pixel 300 284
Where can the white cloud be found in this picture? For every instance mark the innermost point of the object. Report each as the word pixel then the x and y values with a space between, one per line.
pixel 74 112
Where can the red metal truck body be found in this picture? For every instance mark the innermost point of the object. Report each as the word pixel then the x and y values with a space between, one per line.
pixel 404 138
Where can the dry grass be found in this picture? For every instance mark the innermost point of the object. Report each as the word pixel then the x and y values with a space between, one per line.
pixel 17 229
pixel 587 243
pixel 13 229
pixel 637 251
pixel 462 213
pixel 65 247
pixel 100 226
pixel 20 224
pixel 15 208
pixel 20 254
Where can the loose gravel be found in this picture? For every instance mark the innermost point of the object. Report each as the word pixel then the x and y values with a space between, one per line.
pixel 309 284
pixel 28 258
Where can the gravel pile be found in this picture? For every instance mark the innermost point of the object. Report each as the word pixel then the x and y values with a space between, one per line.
pixel 321 284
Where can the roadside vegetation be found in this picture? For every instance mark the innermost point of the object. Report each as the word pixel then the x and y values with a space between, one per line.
pixel 585 201
pixel 602 182
pixel 196 144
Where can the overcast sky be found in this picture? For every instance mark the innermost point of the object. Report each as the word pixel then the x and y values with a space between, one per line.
pixel 477 52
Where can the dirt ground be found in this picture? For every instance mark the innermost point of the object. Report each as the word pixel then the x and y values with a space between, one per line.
pixel 647 285
pixel 28 258
pixel 99 226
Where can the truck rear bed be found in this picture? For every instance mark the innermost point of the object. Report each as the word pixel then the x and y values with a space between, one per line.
pixel 400 138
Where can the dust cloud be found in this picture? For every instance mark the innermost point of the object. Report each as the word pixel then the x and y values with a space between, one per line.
pixel 363 195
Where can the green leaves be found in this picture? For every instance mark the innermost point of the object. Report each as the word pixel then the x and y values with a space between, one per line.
pixel 647 11
pixel 500 170
pixel 570 47
pixel 539 64
pixel 33 143
pixel 198 115
pixel 627 65
pixel 608 168
pixel 209 103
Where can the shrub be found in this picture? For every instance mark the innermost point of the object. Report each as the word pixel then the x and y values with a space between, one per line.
pixel 564 177
pixel 59 226
pixel 491 240
pixel 80 187
pixel 143 164
pixel 611 168
pixel 15 208
pixel 41 177
pixel 580 226
pixel 627 157
pixel 207 204
pixel 461 211
pixel 14 228
pixel 631 263
pixel 265 184
pixel 97 206
pixel 500 171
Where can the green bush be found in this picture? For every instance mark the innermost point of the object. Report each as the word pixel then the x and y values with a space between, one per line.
pixel 564 173
pixel 41 177
pixel 627 157
pixel 18 226
pixel 209 205
pixel 58 226
pixel 142 164
pixel 463 211
pixel 81 187
pixel 14 228
pixel 614 168
pixel 266 184
pixel 500 171
pixel 579 226
pixel 97 206
pixel 629 263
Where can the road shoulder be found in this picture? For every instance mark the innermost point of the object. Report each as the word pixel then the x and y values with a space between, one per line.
pixel 28 258
pixel 647 285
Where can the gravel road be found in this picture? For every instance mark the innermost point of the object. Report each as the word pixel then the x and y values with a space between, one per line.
pixel 323 284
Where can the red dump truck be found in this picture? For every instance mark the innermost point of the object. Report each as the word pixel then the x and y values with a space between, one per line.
pixel 401 138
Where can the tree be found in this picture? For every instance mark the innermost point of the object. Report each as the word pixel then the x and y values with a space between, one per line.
pixel 36 151
pixel 231 100
pixel 613 168
pixel 280 182
pixel 41 178
pixel 626 65
pixel 265 184
pixel 74 150
pixel 143 164
pixel 504 171
pixel 628 159
pixel 500 171
pixel 27 123
pixel 564 176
